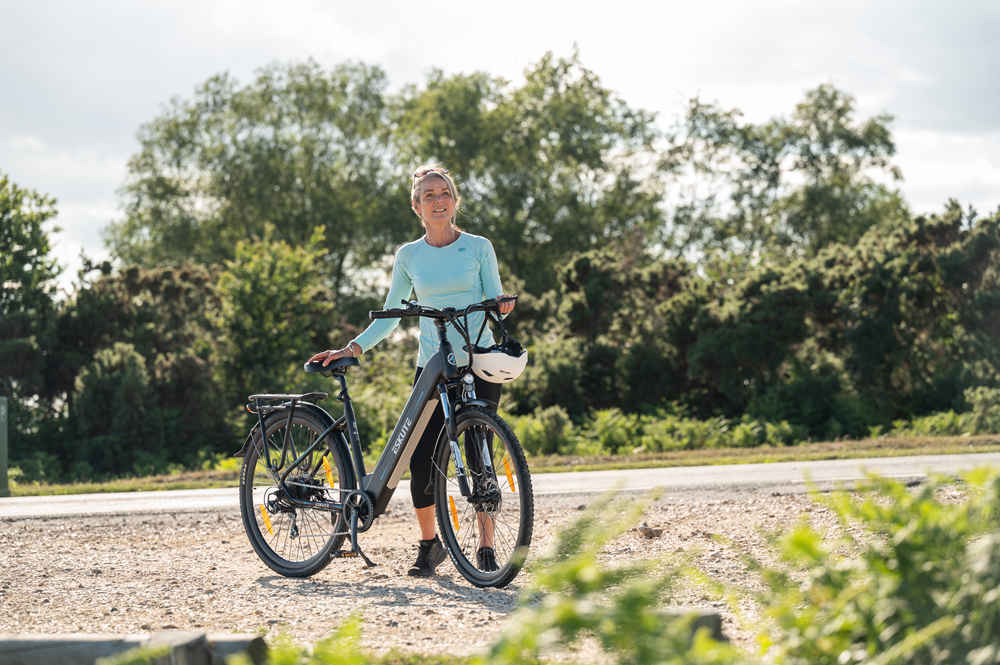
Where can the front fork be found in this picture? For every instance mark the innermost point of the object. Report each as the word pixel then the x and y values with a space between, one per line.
pixel 449 426
pixel 468 393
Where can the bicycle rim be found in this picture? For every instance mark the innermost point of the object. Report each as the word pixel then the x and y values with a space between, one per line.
pixel 488 533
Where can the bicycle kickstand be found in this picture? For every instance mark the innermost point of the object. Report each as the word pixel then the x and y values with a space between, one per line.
pixel 355 548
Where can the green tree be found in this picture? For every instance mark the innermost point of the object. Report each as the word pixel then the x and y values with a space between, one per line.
pixel 159 311
pixel 913 314
pixel 299 148
pixel 606 342
pixel 273 313
pixel 789 185
pixel 27 307
pixel 116 425
pixel 160 316
pixel 27 286
pixel 547 169
pixel 900 324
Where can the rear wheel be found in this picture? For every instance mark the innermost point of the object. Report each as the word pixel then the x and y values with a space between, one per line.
pixel 293 540
pixel 488 533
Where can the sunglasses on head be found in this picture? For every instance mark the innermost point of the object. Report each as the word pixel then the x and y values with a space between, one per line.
pixel 422 172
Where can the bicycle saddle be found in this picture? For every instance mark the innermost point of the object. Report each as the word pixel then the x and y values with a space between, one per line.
pixel 338 366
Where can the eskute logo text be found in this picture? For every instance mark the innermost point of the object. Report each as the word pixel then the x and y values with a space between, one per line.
pixel 401 437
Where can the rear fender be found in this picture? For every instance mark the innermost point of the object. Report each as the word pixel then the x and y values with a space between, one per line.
pixel 335 439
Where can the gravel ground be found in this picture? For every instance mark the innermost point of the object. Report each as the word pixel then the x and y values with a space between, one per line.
pixel 142 573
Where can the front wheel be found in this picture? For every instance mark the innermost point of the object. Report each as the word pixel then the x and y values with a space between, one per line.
pixel 487 533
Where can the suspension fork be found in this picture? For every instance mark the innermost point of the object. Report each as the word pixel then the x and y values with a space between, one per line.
pixel 450 430
pixel 469 395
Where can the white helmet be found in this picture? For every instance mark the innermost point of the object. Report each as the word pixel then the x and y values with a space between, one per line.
pixel 500 363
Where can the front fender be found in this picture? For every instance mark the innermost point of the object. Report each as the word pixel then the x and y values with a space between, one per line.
pixel 476 402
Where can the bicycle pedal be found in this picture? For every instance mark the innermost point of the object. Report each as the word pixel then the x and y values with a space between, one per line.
pixel 353 555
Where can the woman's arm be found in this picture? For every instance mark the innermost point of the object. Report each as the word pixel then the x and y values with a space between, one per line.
pixel 400 289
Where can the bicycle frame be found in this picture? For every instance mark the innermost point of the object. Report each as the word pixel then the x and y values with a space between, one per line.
pixel 431 388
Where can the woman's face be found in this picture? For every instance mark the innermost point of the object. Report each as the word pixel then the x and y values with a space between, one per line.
pixel 434 203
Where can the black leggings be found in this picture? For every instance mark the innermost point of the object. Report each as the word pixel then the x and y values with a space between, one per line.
pixel 422 462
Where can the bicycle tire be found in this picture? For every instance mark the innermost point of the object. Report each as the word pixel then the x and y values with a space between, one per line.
pixel 466 524
pixel 274 525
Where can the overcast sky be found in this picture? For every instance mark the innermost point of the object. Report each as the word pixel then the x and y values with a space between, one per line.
pixel 77 79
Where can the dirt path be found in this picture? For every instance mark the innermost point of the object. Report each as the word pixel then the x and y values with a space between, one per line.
pixel 141 573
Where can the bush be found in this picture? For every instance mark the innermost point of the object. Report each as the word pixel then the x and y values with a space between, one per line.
pixel 667 431
pixel 114 417
pixel 549 431
pixel 984 418
pixel 985 403
pixel 545 432
pixel 553 377
pixel 946 423
pixel 38 467
pixel 611 431
pixel 924 588
pixel 573 596
pixel 815 400
pixel 670 432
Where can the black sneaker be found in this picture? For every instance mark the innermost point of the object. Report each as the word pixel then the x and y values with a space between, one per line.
pixel 429 557
pixel 486 559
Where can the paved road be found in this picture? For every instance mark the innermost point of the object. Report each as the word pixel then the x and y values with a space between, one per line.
pixel 788 476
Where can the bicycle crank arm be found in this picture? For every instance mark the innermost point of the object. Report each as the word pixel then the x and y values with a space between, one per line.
pixel 355 548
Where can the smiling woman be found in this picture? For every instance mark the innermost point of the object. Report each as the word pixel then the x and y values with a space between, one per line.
pixel 447 267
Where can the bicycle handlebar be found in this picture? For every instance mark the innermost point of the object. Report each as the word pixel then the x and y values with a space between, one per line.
pixel 448 313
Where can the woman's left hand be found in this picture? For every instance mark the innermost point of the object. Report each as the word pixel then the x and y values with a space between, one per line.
pixel 506 307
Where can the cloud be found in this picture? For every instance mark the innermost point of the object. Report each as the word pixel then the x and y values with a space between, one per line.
pixel 934 62
pixel 80 225
pixel 66 173
pixel 939 166
pixel 82 181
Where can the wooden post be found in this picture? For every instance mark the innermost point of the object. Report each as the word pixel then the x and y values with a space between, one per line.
pixel 4 487
pixel 169 646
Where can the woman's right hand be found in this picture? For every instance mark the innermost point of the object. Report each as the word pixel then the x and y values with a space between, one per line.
pixel 352 350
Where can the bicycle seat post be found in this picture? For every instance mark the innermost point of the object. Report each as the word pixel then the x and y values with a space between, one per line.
pixel 352 427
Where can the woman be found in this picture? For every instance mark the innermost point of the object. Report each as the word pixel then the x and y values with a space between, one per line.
pixel 446 267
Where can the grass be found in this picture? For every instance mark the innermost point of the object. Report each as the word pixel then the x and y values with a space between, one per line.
pixel 804 452
pixel 228 474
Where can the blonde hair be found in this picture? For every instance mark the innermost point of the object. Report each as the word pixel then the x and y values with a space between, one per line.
pixel 422 173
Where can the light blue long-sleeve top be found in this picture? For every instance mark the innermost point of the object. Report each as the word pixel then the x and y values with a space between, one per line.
pixel 459 274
